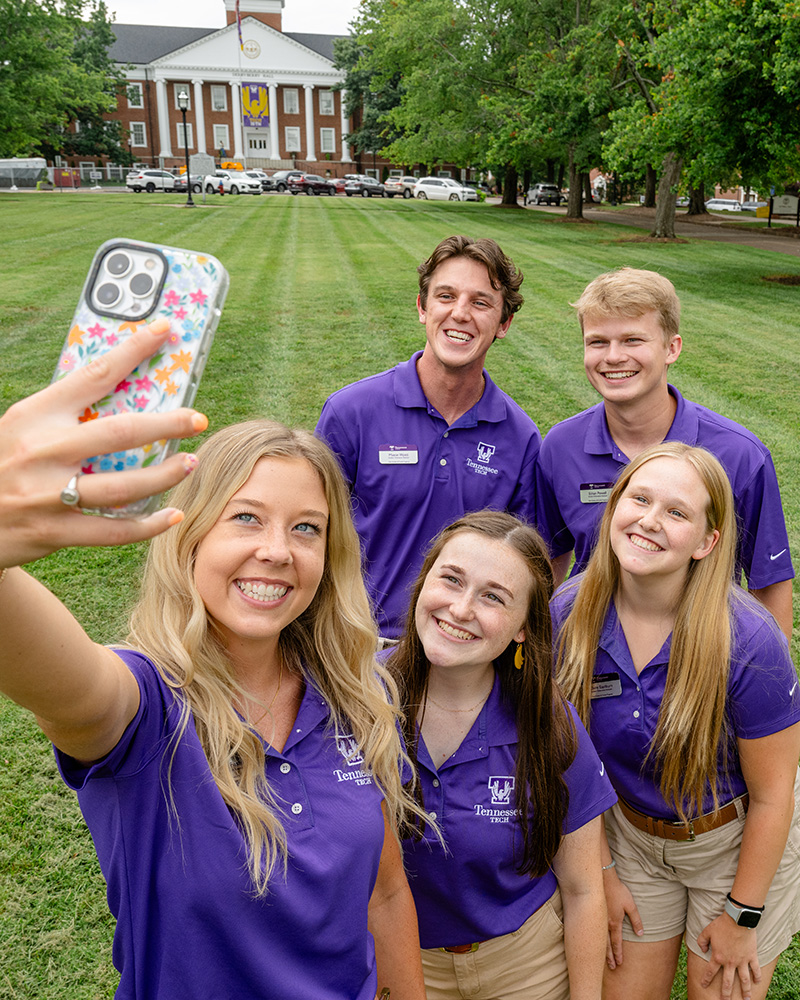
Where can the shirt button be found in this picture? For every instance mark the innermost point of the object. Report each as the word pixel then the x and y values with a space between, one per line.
pixel 636 714
pixel 446 434
pixel 435 782
pixel 442 461
pixel 297 808
pixel 432 815
pixel 285 768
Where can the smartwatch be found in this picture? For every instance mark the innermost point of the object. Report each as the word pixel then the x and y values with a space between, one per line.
pixel 744 916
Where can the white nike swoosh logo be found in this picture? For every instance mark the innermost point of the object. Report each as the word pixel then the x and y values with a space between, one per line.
pixel 791 692
pixel 603 766
pixel 777 555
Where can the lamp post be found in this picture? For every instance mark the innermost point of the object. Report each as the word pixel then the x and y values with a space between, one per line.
pixel 183 104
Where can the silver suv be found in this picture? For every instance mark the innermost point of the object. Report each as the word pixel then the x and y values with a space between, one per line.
pixel 548 194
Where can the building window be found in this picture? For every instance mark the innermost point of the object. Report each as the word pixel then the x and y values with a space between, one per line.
pixel 176 89
pixel 181 143
pixel 138 134
pixel 86 167
pixel 443 173
pixel 292 139
pixel 221 138
pixel 327 140
pixel 219 98
pixel 326 105
pixel 371 172
pixel 135 95
pixel 291 101
pixel 256 142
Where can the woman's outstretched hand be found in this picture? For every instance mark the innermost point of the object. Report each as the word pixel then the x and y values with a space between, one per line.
pixel 43 444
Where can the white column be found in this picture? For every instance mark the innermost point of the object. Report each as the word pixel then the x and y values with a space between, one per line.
pixel 345 126
pixel 162 104
pixel 274 143
pixel 199 117
pixel 236 108
pixel 311 146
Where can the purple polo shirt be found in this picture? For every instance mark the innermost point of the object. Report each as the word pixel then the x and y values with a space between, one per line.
pixel 411 474
pixel 472 891
pixel 579 462
pixel 187 922
pixel 763 698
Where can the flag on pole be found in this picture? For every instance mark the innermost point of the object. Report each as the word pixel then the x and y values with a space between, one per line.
pixel 239 24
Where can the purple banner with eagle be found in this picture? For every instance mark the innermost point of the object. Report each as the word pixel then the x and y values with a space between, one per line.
pixel 255 105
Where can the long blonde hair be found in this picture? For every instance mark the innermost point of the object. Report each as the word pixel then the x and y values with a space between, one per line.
pixel 691 723
pixel 333 641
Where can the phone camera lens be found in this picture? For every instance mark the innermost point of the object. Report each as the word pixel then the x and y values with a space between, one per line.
pixel 118 264
pixel 141 284
pixel 107 294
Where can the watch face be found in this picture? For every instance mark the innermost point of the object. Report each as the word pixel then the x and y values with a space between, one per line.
pixel 749 918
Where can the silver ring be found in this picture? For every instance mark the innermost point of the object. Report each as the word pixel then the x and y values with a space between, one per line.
pixel 70 496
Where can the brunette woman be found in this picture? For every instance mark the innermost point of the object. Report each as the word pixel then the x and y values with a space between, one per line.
pixel 509 900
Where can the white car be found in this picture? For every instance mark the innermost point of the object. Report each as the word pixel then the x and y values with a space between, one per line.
pixel 443 189
pixel 723 205
pixel 150 180
pixel 233 182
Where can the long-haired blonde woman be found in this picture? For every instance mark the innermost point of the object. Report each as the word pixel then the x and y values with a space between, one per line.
pixel 510 900
pixel 691 698
pixel 237 760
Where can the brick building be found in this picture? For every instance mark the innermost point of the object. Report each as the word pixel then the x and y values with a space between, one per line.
pixel 291 73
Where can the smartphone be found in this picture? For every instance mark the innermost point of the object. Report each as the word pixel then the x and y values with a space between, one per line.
pixel 131 283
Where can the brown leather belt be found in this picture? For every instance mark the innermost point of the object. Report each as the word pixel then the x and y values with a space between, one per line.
pixel 462 949
pixel 675 830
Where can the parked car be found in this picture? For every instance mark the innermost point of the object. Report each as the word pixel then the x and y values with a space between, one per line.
pixel 443 189
pixel 723 205
pixel 361 184
pixel 404 186
pixel 150 180
pixel 279 181
pixel 262 175
pixel 753 206
pixel 233 182
pixel 310 184
pixel 479 186
pixel 197 183
pixel 547 194
pixel 337 183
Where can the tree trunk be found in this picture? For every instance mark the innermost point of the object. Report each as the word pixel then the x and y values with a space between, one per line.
pixel 575 202
pixel 650 186
pixel 560 180
pixel 697 200
pixel 527 177
pixel 510 185
pixel 587 188
pixel 665 203
pixel 550 171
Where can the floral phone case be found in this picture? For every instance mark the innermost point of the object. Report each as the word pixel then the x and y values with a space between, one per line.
pixel 131 283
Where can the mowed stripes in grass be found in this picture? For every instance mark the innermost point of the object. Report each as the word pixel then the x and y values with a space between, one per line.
pixel 322 293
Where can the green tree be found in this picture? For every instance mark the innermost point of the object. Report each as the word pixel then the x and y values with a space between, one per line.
pixel 54 69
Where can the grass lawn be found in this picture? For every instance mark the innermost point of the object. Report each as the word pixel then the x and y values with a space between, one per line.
pixel 322 293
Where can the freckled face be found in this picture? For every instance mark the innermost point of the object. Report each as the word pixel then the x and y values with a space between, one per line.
pixel 474 602
pixel 659 525
pixel 462 313
pixel 260 565
pixel 626 358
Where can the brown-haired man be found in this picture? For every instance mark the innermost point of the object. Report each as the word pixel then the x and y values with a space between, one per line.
pixel 433 438
pixel 630 320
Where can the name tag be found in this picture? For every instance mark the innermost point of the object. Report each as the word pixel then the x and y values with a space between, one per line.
pixel 596 492
pixel 606 686
pixel 398 454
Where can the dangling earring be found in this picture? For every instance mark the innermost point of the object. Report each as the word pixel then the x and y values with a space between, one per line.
pixel 519 659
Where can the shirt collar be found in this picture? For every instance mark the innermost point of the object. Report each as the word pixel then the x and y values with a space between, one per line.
pixel 613 642
pixel 491 407
pixel 598 440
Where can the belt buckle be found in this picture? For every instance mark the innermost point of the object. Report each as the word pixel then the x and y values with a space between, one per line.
pixel 691 830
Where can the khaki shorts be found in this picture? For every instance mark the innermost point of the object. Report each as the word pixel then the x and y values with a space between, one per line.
pixel 681 885
pixel 527 964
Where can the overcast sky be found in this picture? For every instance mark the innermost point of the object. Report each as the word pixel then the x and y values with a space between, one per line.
pixel 329 17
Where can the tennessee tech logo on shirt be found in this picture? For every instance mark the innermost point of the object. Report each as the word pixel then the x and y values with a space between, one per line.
pixel 501 790
pixel 348 748
pixel 483 453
